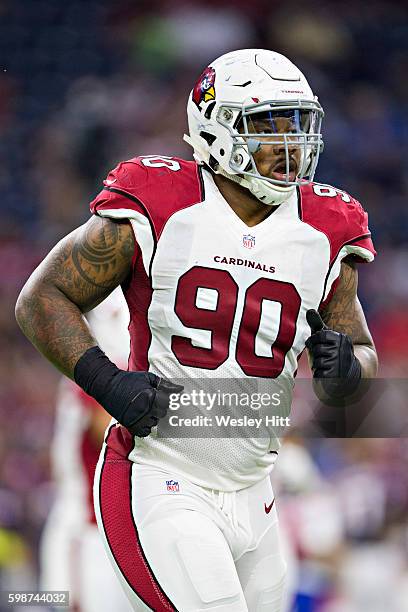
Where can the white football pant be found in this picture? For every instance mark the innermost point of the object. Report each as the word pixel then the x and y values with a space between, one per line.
pixel 177 546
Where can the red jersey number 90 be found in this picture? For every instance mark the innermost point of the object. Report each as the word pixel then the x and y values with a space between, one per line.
pixel 220 320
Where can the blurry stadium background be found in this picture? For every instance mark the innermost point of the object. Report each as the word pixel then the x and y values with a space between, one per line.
pixel 86 83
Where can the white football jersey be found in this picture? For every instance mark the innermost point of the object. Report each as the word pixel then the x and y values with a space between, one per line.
pixel 213 299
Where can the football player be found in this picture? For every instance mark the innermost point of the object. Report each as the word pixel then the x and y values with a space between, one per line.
pixel 225 263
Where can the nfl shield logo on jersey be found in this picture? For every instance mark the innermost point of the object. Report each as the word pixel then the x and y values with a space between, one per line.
pixel 248 241
pixel 173 486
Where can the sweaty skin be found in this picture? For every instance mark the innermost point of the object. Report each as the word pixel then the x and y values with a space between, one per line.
pixel 271 155
pixel 78 274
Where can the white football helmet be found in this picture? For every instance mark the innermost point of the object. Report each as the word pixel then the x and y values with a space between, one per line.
pixel 234 90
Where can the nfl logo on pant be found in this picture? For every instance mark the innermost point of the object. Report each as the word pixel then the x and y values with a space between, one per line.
pixel 248 241
pixel 172 485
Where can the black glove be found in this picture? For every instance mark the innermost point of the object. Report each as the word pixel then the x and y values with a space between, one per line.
pixel 137 400
pixel 333 361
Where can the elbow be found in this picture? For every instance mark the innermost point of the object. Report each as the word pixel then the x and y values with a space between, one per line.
pixel 28 304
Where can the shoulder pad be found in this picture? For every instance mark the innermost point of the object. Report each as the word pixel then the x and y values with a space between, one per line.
pixel 153 185
pixel 338 215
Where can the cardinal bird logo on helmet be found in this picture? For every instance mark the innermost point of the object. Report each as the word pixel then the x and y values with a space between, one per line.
pixel 204 90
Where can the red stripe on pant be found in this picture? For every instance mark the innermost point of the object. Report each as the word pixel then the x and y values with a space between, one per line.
pixel 121 532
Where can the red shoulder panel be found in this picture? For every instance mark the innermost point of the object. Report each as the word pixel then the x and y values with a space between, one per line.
pixel 336 214
pixel 153 185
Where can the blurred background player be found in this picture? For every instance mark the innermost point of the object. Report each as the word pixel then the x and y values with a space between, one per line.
pixel 72 555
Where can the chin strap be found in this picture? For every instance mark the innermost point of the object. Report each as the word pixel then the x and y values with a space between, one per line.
pixel 272 195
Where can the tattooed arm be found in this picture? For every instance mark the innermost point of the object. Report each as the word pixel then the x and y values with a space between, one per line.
pixel 78 274
pixel 345 314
